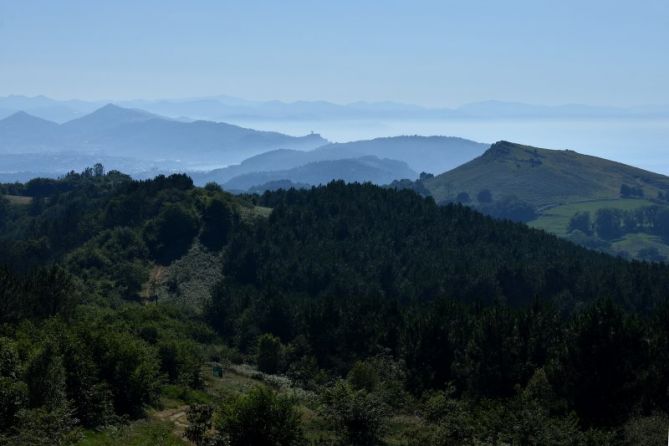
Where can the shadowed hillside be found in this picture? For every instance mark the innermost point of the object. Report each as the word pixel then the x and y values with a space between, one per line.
pixel 431 154
pixel 364 169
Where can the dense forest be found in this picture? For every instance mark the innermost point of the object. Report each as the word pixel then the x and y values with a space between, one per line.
pixel 376 303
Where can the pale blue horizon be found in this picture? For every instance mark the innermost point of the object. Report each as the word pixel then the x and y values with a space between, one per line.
pixel 430 53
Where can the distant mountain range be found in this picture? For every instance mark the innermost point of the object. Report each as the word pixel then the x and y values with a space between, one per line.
pixel 361 170
pixel 434 154
pixel 149 139
pixel 145 144
pixel 226 108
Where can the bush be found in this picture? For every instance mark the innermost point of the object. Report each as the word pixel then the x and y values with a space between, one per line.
pixel 581 222
pixel 358 417
pixel 363 377
pixel 170 234
pixel 269 356
pixel 608 223
pixel 484 196
pixel 646 430
pixel 181 360
pixel 45 427
pixel 217 221
pixel 131 368
pixel 199 423
pixel 261 418
pixel 511 208
pixel 13 398
pixel 463 197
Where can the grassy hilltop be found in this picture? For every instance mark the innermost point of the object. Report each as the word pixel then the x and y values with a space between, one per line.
pixel 557 185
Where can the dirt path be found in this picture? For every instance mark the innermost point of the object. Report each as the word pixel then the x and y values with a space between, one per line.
pixel 176 416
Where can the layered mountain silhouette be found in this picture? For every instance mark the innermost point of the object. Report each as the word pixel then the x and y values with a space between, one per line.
pixel 122 132
pixel 226 108
pixel 433 154
pixel 363 169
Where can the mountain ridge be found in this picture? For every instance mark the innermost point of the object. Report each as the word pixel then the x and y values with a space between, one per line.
pixel 542 176
pixel 224 107
pixel 363 169
pixel 117 131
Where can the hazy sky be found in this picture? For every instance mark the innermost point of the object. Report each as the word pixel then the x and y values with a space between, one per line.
pixel 608 52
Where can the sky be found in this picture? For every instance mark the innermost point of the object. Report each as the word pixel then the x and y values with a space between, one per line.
pixel 433 53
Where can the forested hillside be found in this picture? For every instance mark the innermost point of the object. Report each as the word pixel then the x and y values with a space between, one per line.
pixel 372 316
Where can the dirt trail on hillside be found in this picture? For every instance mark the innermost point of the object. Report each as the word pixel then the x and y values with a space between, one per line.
pixel 176 416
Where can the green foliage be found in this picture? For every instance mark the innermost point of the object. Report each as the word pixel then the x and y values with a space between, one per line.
pixel 114 262
pixel 40 294
pixel 463 197
pixel 646 430
pixel 662 223
pixel 627 191
pixel 358 417
pixel 44 427
pixel 13 398
pixel 363 377
pixel 608 223
pixel 269 355
pixel 170 234
pixel 600 364
pixel 383 376
pixel 199 423
pixel 484 196
pixel 181 360
pixel 217 219
pixel 45 376
pixel 581 222
pixel 438 310
pixel 4 211
pixel 509 208
pixel 131 369
pixel 142 433
pixel 261 418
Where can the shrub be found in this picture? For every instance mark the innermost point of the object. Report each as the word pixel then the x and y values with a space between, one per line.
pixel 463 197
pixel 581 222
pixel 484 196
pixel 170 234
pixel 261 418
pixel 217 221
pixel 199 423
pixel 358 417
pixel 269 356
pixel 363 377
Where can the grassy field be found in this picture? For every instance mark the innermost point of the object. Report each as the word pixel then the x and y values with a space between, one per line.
pixel 18 199
pixel 140 433
pixel 556 219
pixel 632 243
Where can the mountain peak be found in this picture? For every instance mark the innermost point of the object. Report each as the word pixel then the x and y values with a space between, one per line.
pixel 112 110
pixel 503 149
pixel 543 177
pixel 21 118
pixel 108 117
